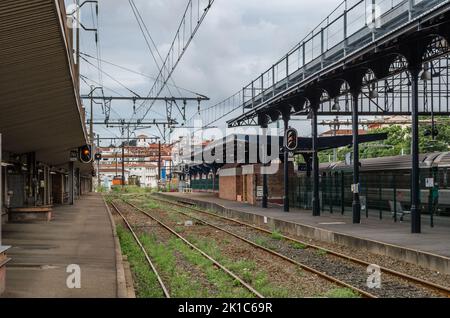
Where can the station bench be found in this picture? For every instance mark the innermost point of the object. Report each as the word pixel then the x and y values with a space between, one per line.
pixel 3 261
pixel 23 214
pixel 398 209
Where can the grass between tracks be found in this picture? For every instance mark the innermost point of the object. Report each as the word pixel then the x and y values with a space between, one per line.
pixel 178 280
pixel 246 269
pixel 215 283
pixel 182 285
pixel 145 281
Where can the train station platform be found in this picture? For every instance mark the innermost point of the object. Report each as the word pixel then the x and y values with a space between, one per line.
pixel 430 249
pixel 41 252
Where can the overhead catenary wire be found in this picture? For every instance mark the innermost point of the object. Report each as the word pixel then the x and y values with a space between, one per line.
pixel 141 74
pixel 145 32
pixel 181 50
pixel 112 78
pixel 166 66
pixel 84 78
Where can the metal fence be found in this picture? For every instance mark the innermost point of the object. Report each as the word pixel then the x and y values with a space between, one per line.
pixel 352 25
pixel 382 194
pixel 205 184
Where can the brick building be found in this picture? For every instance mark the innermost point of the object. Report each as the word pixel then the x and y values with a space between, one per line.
pixel 140 160
pixel 244 182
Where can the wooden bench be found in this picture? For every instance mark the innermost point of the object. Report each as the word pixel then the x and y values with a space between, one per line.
pixel 24 214
pixel 399 209
pixel 3 261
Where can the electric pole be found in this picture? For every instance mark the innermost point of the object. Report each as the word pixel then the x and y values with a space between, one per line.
pixel 123 164
pixel 98 163
pixel 117 164
pixel 159 162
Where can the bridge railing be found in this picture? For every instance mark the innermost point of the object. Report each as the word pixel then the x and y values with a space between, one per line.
pixel 352 25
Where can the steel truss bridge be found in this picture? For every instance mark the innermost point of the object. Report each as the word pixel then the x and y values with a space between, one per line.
pixel 369 57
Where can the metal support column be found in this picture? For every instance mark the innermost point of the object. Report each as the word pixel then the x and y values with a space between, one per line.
pixel 91 123
pixel 415 172
pixel 315 162
pixel 265 196
pixel 286 166
pixel 356 204
pixel 78 174
pixel 159 162
pixel 123 164
pixel 99 181
pixel 71 183
pixel 213 170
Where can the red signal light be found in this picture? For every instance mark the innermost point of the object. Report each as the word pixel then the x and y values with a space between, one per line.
pixel 85 154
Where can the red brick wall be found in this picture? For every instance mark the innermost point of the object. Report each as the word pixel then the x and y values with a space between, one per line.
pixel 275 184
pixel 232 186
pixel 228 188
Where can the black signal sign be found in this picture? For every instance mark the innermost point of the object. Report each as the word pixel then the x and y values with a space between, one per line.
pixel 291 138
pixel 98 156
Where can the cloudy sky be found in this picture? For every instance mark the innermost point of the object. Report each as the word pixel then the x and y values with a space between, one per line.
pixel 238 40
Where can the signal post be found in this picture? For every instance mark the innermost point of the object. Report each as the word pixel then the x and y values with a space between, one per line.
pixel 290 145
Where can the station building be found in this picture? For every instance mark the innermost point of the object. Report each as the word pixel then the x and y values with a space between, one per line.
pixel 41 116
pixel 242 182
pixel 241 174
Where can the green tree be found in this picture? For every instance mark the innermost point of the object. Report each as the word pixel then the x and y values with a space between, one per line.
pixel 399 142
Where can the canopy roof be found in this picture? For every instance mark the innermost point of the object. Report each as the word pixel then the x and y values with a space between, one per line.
pixel 40 109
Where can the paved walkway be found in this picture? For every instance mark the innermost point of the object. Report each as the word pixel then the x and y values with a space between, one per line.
pixel 79 234
pixel 432 240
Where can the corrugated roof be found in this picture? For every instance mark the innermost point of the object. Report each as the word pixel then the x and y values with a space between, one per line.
pixel 39 107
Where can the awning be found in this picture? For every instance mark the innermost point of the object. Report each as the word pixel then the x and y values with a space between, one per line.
pixel 39 108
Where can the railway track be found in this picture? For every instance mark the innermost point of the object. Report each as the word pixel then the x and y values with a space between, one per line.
pixel 252 290
pixel 147 257
pixel 441 290
pixel 321 274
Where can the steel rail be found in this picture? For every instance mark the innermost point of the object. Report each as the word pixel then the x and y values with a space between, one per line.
pixel 441 289
pixel 301 265
pixel 147 257
pixel 192 246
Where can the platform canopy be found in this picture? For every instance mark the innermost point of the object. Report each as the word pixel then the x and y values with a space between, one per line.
pixel 234 145
pixel 40 109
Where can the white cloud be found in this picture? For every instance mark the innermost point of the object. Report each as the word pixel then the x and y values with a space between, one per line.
pixel 237 42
